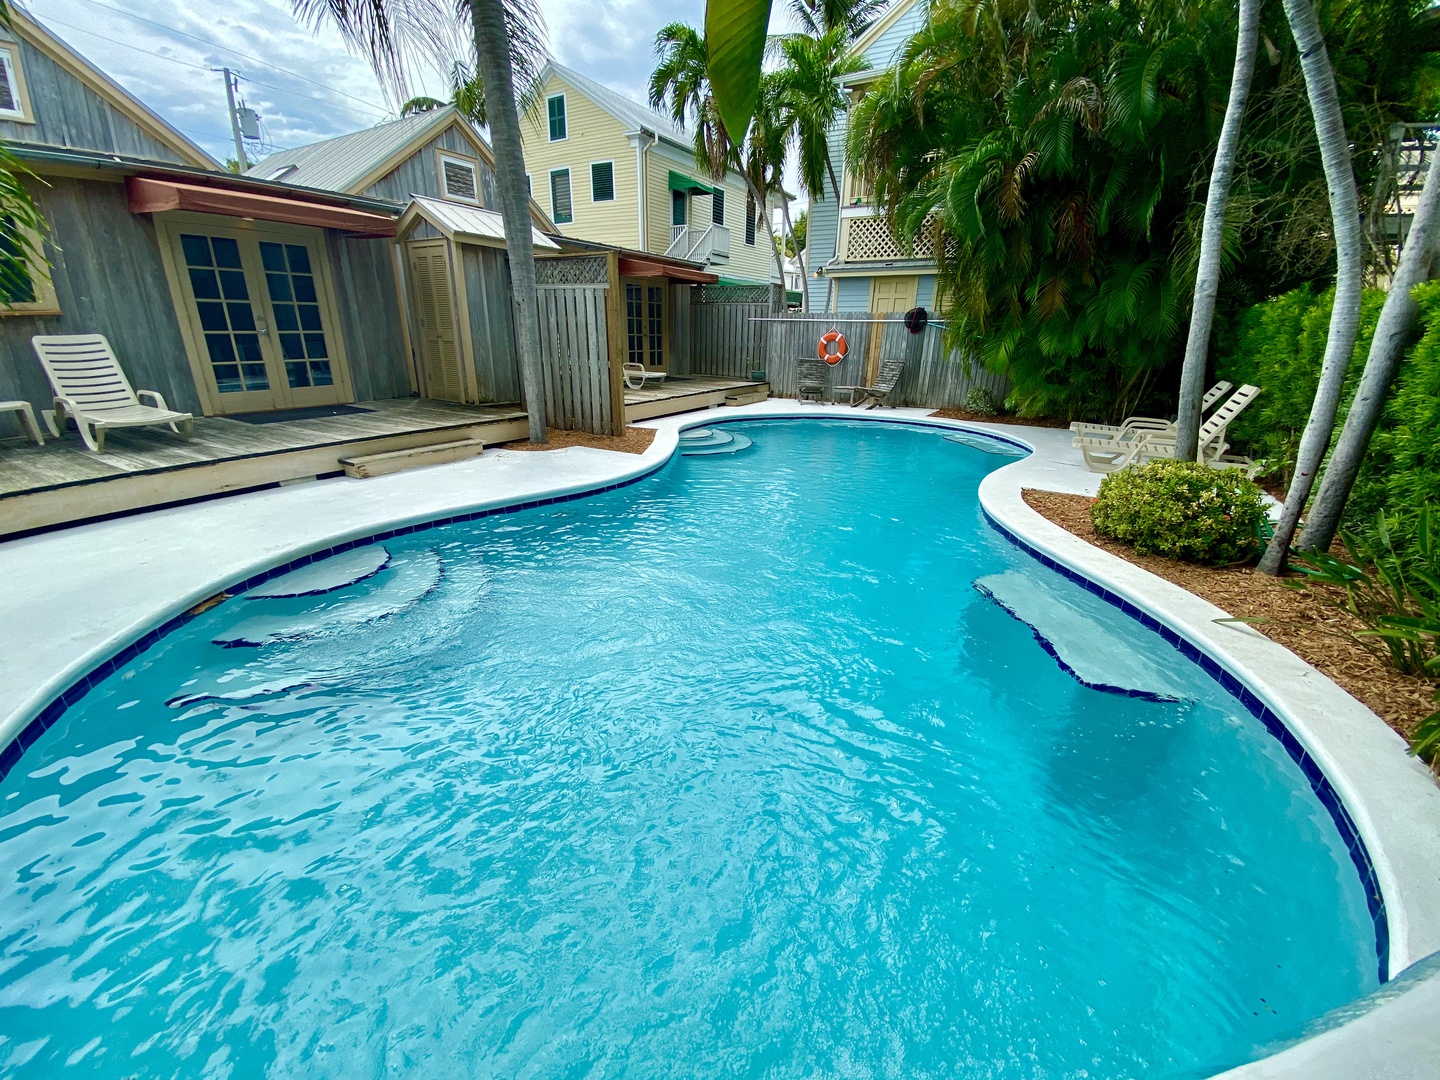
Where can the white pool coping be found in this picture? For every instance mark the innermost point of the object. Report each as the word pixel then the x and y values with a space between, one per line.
pixel 76 597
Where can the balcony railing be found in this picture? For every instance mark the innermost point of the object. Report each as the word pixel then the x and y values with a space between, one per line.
pixel 699 244
pixel 867 238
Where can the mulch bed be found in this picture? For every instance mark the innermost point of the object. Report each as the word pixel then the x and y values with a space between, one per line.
pixel 999 418
pixel 635 440
pixel 1305 620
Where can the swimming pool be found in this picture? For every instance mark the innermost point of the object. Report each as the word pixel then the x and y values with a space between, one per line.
pixel 733 770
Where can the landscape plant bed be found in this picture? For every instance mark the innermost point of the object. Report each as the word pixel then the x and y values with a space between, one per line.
pixel 635 440
pixel 1305 620
pixel 999 418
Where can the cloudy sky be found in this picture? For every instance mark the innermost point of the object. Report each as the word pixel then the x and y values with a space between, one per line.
pixel 302 81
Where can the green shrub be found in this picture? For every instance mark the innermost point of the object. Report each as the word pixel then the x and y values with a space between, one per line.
pixel 1181 510
pixel 979 400
pixel 1278 346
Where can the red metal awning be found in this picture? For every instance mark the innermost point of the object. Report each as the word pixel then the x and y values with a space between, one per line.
pixel 646 268
pixel 149 196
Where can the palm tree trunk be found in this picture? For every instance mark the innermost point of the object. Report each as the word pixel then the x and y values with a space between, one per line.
pixel 799 255
pixel 1212 235
pixel 492 46
pixel 1345 316
pixel 834 184
pixel 1387 352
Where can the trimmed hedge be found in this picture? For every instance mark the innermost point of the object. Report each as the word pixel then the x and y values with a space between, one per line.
pixel 1182 510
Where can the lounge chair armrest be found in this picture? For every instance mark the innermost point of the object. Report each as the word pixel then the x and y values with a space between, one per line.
pixel 156 398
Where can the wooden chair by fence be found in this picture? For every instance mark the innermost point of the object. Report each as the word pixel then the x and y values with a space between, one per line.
pixel 878 392
pixel 811 380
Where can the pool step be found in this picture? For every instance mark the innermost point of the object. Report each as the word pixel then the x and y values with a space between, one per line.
pixel 407 579
pixel 397 460
pixel 324 576
pixel 704 441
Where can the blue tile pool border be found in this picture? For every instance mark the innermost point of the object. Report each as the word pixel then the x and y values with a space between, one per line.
pixel 11 754
pixel 1319 782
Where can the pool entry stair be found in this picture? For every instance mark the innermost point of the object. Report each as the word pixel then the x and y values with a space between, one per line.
pixel 699 442
pixel 337 594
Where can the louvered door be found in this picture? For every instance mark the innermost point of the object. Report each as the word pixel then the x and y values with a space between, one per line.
pixel 437 338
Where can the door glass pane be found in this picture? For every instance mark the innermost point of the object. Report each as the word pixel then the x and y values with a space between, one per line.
pixel 290 282
pixel 635 324
pixel 655 324
pixel 677 208
pixel 231 344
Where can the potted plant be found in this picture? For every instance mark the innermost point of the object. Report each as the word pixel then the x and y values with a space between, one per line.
pixel 757 374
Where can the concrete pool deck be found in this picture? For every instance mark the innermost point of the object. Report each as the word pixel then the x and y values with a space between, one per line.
pixel 75 598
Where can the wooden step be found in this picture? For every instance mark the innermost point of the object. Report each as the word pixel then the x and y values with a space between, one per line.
pixel 398 460
pixel 748 397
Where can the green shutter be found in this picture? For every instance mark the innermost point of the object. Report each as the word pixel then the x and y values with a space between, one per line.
pixel 556 107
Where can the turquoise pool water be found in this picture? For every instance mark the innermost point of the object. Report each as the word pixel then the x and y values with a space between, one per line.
pixel 731 772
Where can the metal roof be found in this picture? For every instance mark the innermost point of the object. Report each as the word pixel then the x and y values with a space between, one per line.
pixel 341 163
pixel 461 221
pixel 630 113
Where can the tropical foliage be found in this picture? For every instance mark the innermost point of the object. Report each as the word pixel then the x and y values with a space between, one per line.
pixel 21 224
pixel 1054 152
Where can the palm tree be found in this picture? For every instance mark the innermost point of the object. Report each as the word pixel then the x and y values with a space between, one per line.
pixel 853 17
pixel 21 223
pixel 1387 352
pixel 466 94
pixel 1345 316
pixel 508 38
pixel 813 100
pixel 680 87
pixel 1212 236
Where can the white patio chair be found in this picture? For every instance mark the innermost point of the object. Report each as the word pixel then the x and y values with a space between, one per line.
pixel 1131 425
pixel 26 416
pixel 1107 455
pixel 91 390
pixel 638 376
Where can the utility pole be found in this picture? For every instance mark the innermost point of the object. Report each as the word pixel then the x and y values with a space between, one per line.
pixel 235 121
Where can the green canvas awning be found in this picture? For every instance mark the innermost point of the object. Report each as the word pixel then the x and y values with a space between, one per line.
pixel 681 182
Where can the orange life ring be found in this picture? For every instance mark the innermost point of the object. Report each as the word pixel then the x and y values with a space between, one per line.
pixel 834 337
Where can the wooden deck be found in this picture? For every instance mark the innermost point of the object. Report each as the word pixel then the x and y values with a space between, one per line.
pixel 682 393
pixel 62 482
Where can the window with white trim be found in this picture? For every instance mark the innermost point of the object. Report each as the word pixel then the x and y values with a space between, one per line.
pixel 14 101
pixel 555 109
pixel 602 181
pixel 561 210
pixel 459 179
pixel 717 207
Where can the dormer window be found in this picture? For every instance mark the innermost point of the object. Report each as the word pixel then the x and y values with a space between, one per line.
pixel 459 179
pixel 14 101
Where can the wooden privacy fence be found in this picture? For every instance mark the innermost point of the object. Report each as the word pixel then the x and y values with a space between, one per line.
pixel 934 378
pixel 575 348
pixel 725 338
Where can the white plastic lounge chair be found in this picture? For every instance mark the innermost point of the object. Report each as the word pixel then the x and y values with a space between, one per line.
pixel 91 390
pixel 1104 455
pixel 638 376
pixel 1133 424
pixel 26 416
pixel 878 393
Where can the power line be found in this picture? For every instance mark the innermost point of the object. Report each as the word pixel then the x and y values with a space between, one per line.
pixel 244 56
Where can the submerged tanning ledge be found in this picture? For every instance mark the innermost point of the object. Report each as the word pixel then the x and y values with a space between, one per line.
pixel 1066 621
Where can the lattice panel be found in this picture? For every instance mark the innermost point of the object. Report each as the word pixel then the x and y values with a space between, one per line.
pixel 579 270
pixel 733 294
pixel 869 239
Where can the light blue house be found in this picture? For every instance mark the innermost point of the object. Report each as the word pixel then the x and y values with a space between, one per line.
pixel 855 264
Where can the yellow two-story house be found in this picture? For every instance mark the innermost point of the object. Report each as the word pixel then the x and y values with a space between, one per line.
pixel 612 171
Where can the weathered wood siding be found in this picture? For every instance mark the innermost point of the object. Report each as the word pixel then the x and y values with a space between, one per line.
pixel 682 333
pixel 492 322
pixel 69 114
pixel 369 307
pixel 419 174
pixel 108 279
pixel 575 356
